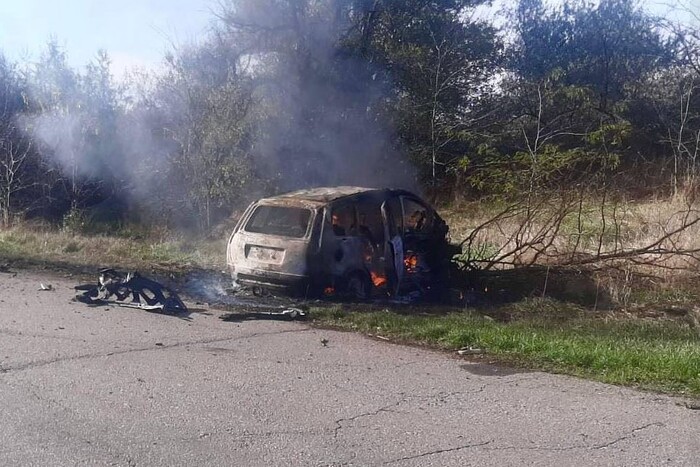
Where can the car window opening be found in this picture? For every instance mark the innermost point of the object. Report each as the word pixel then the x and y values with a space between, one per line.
pixel 279 220
pixel 416 217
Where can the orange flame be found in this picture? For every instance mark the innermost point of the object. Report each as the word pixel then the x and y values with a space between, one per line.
pixel 377 279
pixel 410 261
pixel 329 291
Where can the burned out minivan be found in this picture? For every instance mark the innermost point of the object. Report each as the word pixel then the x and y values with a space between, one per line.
pixel 343 241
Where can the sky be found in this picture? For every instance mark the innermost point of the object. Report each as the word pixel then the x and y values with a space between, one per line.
pixel 135 33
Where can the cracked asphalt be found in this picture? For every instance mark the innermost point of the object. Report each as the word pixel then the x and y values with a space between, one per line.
pixel 84 385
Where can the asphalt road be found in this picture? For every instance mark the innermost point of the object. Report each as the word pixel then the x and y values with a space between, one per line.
pixel 117 386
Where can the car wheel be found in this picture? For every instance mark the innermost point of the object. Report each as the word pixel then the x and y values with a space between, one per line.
pixel 357 286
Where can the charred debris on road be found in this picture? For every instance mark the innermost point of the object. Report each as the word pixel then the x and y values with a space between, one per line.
pixel 118 287
pixel 131 289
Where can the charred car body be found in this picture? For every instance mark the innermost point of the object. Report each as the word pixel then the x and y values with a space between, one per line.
pixel 346 241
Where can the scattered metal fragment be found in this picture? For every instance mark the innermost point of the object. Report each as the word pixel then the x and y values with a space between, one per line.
pixel 470 351
pixel 143 306
pixel 289 313
pixel 285 313
pixel 146 294
pixel 46 288
pixel 294 313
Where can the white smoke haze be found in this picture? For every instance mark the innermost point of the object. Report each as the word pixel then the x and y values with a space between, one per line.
pixel 324 125
pixel 61 136
pixel 267 104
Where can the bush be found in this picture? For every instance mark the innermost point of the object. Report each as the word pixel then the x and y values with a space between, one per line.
pixel 74 221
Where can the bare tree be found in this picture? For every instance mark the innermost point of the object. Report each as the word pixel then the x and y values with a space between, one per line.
pixel 684 136
pixel 686 32
pixel 15 148
pixel 13 179
pixel 683 123
pixel 594 230
pixel 450 73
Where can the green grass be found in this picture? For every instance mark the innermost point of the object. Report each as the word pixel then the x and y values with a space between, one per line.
pixel 655 355
pixel 680 294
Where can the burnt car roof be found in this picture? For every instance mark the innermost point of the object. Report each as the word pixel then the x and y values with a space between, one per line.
pixel 324 195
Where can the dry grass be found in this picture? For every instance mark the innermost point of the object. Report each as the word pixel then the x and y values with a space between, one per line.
pixel 121 249
pixel 565 232
pixel 589 228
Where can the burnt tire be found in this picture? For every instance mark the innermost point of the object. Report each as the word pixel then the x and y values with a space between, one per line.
pixel 356 286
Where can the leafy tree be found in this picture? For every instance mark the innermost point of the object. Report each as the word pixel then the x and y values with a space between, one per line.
pixel 201 112
pixel 607 47
pixel 441 62
pixel 568 102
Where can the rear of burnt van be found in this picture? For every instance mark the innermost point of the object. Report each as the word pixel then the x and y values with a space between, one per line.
pixel 344 240
pixel 271 245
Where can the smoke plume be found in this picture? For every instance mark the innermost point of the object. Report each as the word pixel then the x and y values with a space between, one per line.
pixel 272 101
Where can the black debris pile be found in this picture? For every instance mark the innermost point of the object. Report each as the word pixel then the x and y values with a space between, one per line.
pixel 118 287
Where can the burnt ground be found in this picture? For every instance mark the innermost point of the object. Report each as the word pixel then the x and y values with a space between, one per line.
pixel 118 386
pixel 495 293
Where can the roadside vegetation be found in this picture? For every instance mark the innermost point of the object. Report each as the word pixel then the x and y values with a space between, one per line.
pixel 660 355
pixel 646 334
pixel 141 249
